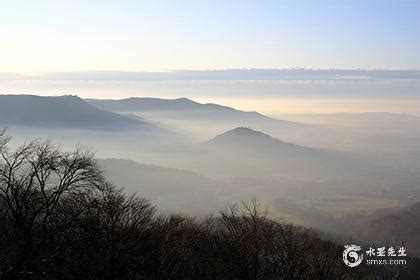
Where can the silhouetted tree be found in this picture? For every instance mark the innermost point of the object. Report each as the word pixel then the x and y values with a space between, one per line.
pixel 36 180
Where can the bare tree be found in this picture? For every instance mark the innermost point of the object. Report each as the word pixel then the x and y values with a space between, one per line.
pixel 35 179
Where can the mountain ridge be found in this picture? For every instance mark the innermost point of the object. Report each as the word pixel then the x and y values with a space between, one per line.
pixel 183 104
pixel 63 111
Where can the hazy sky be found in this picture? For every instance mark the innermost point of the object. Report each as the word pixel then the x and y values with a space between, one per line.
pixel 79 35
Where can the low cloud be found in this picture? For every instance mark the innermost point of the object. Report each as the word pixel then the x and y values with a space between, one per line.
pixel 225 75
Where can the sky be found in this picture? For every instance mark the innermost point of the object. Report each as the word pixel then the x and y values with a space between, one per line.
pixel 232 52
pixel 47 36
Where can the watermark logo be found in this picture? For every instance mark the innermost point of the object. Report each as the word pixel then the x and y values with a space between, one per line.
pixel 351 257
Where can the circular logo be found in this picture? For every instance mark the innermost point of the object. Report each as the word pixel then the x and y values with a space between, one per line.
pixel 350 256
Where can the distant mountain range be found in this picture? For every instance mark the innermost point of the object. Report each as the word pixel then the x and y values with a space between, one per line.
pixel 180 108
pixel 245 152
pixel 150 104
pixel 206 120
pixel 63 112
pixel 175 115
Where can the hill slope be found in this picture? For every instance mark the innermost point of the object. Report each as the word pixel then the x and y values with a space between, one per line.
pixel 172 189
pixel 243 136
pixel 60 111
pixel 396 226
pixel 245 151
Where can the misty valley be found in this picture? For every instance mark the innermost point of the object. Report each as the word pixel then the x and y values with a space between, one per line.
pixel 352 176
pixel 211 140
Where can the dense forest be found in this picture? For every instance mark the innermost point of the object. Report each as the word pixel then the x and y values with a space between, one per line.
pixel 60 219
